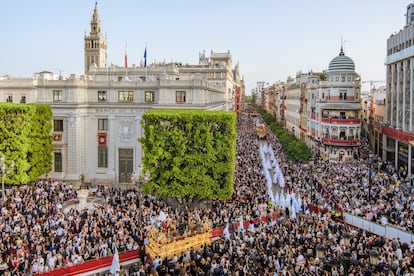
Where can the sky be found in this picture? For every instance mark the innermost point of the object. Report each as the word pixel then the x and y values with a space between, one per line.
pixel 271 39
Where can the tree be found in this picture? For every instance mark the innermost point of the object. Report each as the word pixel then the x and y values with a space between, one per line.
pixel 295 149
pixel 40 151
pixel 25 138
pixel 190 154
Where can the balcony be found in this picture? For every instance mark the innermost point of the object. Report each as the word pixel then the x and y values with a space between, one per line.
pixel 397 134
pixel 349 121
pixel 337 142
pixel 57 137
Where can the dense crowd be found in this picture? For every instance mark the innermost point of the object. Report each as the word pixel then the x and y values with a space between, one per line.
pixel 38 236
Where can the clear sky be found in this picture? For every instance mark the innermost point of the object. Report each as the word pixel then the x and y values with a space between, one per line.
pixel 271 39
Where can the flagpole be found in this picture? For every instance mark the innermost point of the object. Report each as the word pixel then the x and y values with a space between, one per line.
pixel 145 62
pixel 126 60
pixel 145 55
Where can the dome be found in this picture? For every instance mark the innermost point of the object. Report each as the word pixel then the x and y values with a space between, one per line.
pixel 342 62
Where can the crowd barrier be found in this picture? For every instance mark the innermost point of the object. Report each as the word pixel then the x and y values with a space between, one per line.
pixel 91 267
pixel 217 232
pixel 129 257
pixel 387 231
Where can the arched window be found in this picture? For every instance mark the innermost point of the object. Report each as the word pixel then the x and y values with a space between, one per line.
pixel 342 134
pixel 334 133
pixel 351 134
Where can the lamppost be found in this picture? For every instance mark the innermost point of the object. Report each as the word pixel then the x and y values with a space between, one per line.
pixel 346 256
pixel 4 170
pixel 142 179
pixel 320 250
pixel 369 180
pixel 320 254
pixel 373 259
pixel 82 181
pixel 134 177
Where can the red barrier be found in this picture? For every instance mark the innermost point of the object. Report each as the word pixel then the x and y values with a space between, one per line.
pixel 91 265
pixel 215 233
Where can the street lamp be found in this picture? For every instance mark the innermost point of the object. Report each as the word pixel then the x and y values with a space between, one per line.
pixel 370 161
pixel 4 170
pixel 320 250
pixel 134 177
pixel 142 179
pixel 373 258
pixel 346 256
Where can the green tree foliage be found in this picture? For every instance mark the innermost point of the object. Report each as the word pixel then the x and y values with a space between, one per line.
pixel 25 138
pixel 40 152
pixel 190 154
pixel 295 149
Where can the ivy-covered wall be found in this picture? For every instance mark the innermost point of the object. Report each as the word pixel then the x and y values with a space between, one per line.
pixel 25 138
pixel 190 154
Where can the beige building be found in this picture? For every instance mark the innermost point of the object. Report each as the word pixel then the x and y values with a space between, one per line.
pixel 398 132
pixel 96 116
pixel 333 110
pixel 377 118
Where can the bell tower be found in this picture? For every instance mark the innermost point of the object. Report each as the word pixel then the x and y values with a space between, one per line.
pixel 95 44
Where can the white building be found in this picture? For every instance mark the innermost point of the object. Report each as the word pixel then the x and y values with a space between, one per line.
pixel 96 116
pixel 335 108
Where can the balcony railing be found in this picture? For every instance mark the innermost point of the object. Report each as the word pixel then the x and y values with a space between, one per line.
pixel 397 134
pixel 350 121
pixel 353 142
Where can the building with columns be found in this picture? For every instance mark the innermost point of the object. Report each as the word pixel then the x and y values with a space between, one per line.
pixel 398 132
pixel 96 116
pixel 334 107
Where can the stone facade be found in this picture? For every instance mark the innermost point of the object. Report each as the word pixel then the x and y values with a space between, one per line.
pixel 96 116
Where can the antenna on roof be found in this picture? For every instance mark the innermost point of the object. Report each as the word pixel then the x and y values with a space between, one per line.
pixel 342 45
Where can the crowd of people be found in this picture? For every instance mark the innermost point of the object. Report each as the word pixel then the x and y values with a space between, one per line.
pixel 39 236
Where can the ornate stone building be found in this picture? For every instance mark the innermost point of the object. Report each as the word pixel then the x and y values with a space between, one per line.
pixel 96 116
pixel 334 108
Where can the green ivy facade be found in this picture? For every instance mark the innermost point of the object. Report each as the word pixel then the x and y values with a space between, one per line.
pixel 25 138
pixel 190 154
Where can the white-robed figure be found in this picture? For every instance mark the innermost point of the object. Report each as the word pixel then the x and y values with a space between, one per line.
pixel 226 232
pixel 282 201
pixel 293 212
pixel 275 164
pixel 277 199
pixel 251 226
pixel 276 173
pixel 272 153
pixel 240 227
pixel 115 266
pixel 281 181
pixel 295 202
